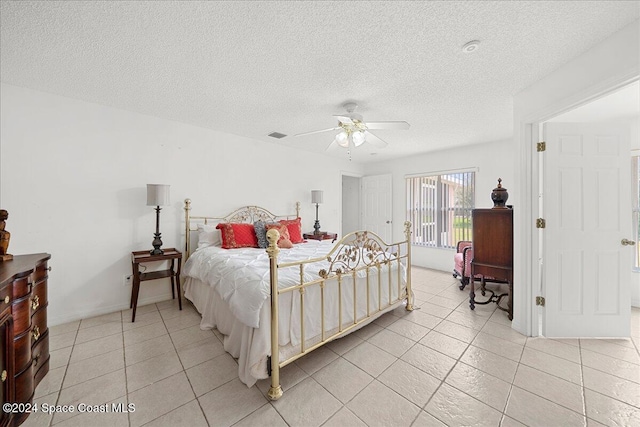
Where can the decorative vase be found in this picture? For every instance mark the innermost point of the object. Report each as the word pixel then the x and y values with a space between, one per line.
pixel 5 237
pixel 499 195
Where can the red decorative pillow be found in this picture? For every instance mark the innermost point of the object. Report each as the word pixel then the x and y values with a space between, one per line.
pixel 236 235
pixel 295 229
pixel 285 240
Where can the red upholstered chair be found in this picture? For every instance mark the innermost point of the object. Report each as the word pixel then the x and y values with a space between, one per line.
pixel 462 262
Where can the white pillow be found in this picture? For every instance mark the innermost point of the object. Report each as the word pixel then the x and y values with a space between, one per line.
pixel 208 235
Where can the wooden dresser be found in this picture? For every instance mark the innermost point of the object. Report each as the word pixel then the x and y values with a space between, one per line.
pixel 493 250
pixel 24 357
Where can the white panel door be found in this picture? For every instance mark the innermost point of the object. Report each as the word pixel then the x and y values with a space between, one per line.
pixel 376 205
pixel 587 208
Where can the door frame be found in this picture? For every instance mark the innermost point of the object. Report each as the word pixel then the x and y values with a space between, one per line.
pixel 527 271
pixel 351 175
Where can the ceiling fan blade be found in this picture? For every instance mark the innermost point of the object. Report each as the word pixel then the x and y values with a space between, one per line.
pixel 388 125
pixel 344 119
pixel 332 146
pixel 374 140
pixel 316 131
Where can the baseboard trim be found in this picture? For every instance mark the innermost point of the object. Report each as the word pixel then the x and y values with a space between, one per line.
pixel 59 320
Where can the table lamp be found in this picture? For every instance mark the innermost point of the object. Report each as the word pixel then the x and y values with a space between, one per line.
pixel 316 197
pixel 157 195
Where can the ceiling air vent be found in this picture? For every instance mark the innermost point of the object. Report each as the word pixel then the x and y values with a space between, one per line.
pixel 277 135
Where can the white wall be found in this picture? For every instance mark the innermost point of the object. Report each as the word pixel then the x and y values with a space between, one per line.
pixel 73 178
pixel 492 160
pixel 610 64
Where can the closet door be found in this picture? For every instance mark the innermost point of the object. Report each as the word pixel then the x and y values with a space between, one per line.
pixel 376 206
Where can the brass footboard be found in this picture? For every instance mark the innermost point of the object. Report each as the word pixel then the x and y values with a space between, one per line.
pixel 357 253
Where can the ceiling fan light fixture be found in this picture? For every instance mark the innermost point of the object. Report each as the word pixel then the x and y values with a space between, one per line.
pixel 358 138
pixel 342 139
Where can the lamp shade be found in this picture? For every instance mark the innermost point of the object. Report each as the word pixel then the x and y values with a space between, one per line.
pixel 358 138
pixel 157 194
pixel 316 196
pixel 342 139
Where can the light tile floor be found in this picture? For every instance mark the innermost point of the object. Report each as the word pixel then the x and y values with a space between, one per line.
pixel 439 365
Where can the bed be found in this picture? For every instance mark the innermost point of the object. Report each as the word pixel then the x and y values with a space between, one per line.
pixel 278 301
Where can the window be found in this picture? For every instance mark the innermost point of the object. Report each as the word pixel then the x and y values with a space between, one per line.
pixel 439 208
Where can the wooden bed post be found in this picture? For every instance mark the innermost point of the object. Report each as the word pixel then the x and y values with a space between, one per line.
pixel 407 233
pixel 275 391
pixel 187 234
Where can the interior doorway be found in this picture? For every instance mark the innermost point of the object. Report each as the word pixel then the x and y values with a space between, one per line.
pixel 350 204
pixel 619 109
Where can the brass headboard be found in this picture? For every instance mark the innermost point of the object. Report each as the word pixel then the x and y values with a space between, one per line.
pixel 245 214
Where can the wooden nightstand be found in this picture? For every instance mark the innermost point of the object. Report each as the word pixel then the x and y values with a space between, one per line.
pixel 322 236
pixel 139 257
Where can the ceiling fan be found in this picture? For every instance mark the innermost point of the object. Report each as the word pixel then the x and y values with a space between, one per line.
pixel 354 131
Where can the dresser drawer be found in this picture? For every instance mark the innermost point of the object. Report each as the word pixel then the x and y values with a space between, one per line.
pixel 21 287
pixel 21 310
pixel 41 271
pixel 43 369
pixel 39 324
pixel 40 353
pixel 24 385
pixel 22 350
pixel 38 294
pixel 5 299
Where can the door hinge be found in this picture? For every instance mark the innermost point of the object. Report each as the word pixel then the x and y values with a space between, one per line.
pixel 541 223
pixel 541 146
pixel 540 301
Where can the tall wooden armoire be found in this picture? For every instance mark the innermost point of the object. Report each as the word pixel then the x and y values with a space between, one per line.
pixel 493 248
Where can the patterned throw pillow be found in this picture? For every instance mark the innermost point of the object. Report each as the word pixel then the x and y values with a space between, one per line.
pixel 236 235
pixel 295 229
pixel 284 241
pixel 261 233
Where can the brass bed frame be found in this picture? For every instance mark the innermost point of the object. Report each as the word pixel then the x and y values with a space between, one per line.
pixel 355 252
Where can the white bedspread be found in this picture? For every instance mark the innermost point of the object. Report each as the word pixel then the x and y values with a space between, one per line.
pixel 230 288
pixel 241 276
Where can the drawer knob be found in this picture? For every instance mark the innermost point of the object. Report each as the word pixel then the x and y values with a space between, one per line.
pixel 35 333
pixel 49 268
pixel 36 359
pixel 3 376
pixel 35 302
pixel 6 299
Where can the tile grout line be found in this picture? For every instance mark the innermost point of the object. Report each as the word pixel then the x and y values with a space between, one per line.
pixel 66 368
pixel 511 386
pixel 124 361
pixel 582 388
pixel 204 415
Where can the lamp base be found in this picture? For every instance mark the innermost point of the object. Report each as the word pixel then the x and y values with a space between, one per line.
pixel 316 228
pixel 157 243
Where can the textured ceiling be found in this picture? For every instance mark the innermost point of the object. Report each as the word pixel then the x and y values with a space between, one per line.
pixel 251 68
